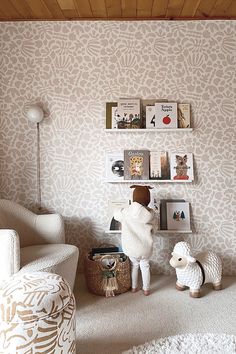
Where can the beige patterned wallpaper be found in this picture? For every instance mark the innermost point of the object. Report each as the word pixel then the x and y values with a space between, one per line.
pixel 72 69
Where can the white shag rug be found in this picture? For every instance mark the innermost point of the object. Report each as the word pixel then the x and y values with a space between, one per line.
pixel 208 343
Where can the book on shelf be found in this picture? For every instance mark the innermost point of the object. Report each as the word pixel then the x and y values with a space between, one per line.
pixel 128 112
pixel 181 166
pixel 150 117
pixel 111 115
pixel 155 206
pixel 165 166
pixel 109 261
pixel 159 165
pixel 114 166
pixel 113 205
pixel 136 164
pixel 104 250
pixel 183 115
pixel 110 253
pixel 163 211
pixel 155 164
pixel 166 115
pixel 148 112
pixel 178 216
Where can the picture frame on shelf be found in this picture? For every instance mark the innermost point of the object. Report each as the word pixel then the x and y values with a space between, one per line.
pixel 114 166
pixel 178 216
pixel 163 211
pixel 181 166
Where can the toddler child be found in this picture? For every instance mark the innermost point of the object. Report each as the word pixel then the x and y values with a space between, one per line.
pixel 136 235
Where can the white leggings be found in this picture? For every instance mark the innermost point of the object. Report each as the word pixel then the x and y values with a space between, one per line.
pixel 143 263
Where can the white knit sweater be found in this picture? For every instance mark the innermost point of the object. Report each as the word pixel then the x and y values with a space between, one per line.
pixel 136 236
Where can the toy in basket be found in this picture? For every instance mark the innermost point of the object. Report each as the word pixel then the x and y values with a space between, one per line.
pixel 107 274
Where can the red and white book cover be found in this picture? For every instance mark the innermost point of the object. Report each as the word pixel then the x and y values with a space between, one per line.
pixel 166 115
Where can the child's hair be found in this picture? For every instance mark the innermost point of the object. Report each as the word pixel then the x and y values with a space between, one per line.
pixel 141 194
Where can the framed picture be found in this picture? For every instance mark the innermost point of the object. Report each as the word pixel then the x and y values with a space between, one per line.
pixel 181 166
pixel 178 216
pixel 163 211
pixel 111 115
pixel 114 166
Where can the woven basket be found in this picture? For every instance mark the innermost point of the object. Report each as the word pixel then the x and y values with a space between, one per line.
pixel 94 276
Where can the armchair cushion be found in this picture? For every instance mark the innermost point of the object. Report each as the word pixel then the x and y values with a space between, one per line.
pixel 58 258
pixel 31 243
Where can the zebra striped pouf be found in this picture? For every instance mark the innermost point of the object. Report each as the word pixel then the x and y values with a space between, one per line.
pixel 37 315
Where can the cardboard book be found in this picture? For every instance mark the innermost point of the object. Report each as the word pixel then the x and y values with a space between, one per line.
pixel 166 115
pixel 136 164
pixel 128 112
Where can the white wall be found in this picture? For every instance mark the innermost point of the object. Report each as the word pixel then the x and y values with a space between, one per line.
pixel 73 68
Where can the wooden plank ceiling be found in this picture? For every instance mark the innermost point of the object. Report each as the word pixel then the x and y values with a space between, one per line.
pixel 13 10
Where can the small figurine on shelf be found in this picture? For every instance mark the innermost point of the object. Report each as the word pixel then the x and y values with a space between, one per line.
pixel 194 272
pixel 136 236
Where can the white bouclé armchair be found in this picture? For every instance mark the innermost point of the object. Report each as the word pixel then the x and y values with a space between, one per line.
pixel 34 243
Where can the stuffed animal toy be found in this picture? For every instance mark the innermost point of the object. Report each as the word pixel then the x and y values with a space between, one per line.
pixel 194 272
pixel 136 235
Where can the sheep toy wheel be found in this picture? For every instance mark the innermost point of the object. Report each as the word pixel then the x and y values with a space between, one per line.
pixel 194 272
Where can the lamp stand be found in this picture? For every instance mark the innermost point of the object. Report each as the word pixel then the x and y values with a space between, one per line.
pixel 38 169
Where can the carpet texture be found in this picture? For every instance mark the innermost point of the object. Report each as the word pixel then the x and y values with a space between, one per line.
pixel 208 343
pixel 113 325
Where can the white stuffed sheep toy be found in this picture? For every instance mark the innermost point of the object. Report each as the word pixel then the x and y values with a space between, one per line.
pixel 193 272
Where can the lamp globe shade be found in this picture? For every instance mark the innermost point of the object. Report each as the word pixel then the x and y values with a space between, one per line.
pixel 34 114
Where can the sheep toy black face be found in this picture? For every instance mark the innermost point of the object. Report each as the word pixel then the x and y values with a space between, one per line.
pixel 194 272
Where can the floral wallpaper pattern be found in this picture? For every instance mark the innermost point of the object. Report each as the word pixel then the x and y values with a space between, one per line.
pixel 72 69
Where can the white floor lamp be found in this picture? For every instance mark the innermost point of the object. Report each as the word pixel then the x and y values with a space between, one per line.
pixel 35 114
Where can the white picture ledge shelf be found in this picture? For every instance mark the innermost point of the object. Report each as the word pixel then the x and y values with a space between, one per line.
pixel 149 130
pixel 150 181
pixel 166 232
